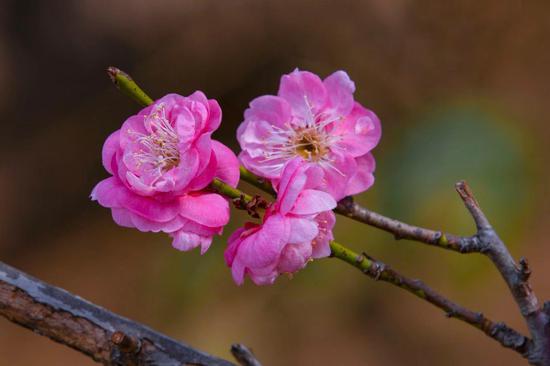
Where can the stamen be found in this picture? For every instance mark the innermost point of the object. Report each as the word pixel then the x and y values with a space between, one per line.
pixel 159 152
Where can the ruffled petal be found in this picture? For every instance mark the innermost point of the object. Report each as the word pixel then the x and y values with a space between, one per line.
pixel 185 241
pixel 262 249
pixel 269 108
pixel 305 93
pixel 363 178
pixel 311 202
pixel 360 132
pixel 321 244
pixel 209 209
pixel 340 91
pixel 302 230
pixel 227 168
pixel 122 217
pixel 294 257
pixel 108 154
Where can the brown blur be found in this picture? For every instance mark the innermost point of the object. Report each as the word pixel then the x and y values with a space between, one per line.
pixel 462 89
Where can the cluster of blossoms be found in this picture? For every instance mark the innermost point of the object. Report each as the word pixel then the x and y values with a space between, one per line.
pixel 312 141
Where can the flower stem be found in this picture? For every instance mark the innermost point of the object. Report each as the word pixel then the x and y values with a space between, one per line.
pixel 228 191
pixel 124 83
pixel 256 181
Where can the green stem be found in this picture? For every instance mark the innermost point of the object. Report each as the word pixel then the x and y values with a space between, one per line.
pixel 124 82
pixel 228 191
pixel 257 182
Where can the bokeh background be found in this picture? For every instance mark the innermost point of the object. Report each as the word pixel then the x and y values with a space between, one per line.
pixel 462 89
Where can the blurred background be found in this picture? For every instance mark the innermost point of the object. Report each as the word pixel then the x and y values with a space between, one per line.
pixel 461 88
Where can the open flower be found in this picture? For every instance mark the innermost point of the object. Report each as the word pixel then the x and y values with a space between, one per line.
pixel 318 121
pixel 295 229
pixel 161 160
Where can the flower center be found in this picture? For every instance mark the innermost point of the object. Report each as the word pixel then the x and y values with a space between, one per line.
pixel 158 151
pixel 310 143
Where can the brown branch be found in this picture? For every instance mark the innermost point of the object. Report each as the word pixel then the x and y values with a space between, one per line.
pixel 96 332
pixel 400 230
pixel 379 271
pixel 515 275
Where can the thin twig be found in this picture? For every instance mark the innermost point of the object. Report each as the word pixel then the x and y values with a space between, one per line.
pixel 377 270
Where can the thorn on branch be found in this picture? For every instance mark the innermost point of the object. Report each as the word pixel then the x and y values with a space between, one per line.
pixel 524 269
pixel 125 343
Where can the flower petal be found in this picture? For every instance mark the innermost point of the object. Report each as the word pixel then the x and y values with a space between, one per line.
pixel 363 178
pixel 305 93
pixel 302 230
pixel 209 209
pixel 340 91
pixel 269 108
pixel 228 166
pixel 108 154
pixel 312 202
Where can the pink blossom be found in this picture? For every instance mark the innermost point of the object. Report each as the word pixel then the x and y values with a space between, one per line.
pixel 317 120
pixel 295 229
pixel 161 160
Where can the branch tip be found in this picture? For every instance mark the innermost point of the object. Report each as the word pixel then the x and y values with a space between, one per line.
pixel 244 355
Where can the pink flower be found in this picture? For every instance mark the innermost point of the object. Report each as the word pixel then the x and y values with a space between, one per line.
pixel 295 229
pixel 161 160
pixel 317 120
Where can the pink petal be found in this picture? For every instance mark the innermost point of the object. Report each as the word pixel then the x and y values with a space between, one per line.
pixel 207 175
pixel 269 108
pixel 185 241
pixel 111 192
pixel 312 201
pixel 294 257
pixel 233 241
pixel 302 230
pixel 106 192
pixel 214 117
pixel 292 183
pixel 363 179
pixel 237 272
pixel 263 248
pixel 360 132
pixel 338 174
pixel 268 170
pixel 321 244
pixel 228 166
pixel 264 277
pixel 145 225
pixel 122 217
pixel 108 154
pixel 209 209
pixel 185 127
pixel 301 88
pixel 340 91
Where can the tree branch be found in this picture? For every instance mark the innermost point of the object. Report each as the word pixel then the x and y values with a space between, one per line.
pixel 515 275
pixel 485 241
pixel 96 332
pixel 377 270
